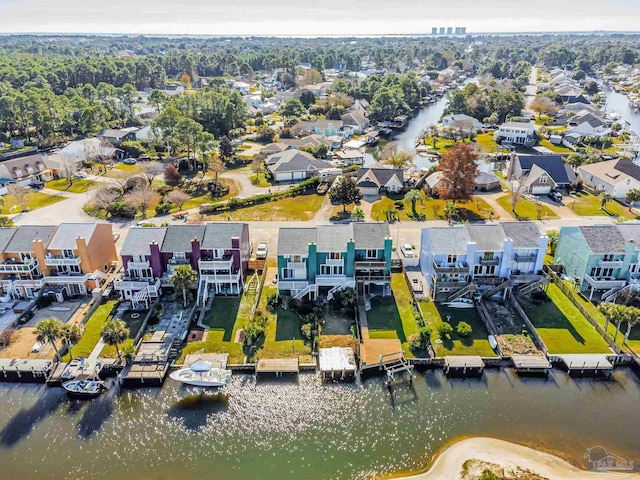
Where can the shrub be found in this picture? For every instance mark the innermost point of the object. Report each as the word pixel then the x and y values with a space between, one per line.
pixel 5 336
pixel 172 176
pixel 44 301
pixel 163 208
pixel 414 341
pixel 420 339
pixel 122 209
pixel 272 301
pixel 306 330
pixel 399 204
pixel 252 332
pixel 464 329
pixel 445 330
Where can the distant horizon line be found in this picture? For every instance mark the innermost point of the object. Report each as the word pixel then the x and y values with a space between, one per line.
pixel 311 36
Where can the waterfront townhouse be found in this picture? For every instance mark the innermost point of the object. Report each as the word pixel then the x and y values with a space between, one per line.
pixel 218 252
pixel 460 259
pixel 601 259
pixel 71 258
pixel 319 261
pixel 517 133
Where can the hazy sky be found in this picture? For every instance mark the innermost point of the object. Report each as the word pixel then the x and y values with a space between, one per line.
pixel 329 17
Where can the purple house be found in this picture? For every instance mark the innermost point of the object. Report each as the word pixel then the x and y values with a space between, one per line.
pixel 219 252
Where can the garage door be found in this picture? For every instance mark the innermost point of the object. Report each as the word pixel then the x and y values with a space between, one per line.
pixel 298 175
pixel 540 190
pixel 283 177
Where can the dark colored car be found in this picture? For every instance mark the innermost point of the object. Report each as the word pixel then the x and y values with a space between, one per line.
pixel 37 185
pixel 555 196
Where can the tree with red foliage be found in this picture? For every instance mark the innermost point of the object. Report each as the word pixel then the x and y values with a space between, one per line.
pixel 172 176
pixel 459 171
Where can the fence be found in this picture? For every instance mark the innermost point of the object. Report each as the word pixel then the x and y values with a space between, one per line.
pixel 532 329
pixel 259 291
pixel 573 297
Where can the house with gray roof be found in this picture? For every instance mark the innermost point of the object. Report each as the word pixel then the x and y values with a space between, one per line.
pixel 373 181
pixel 601 259
pixel 218 252
pixel 463 259
pixel 540 173
pixel 356 121
pixel 291 165
pixel 484 182
pixel 320 261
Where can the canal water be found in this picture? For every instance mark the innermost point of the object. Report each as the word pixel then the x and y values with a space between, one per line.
pixel 304 429
pixel 619 103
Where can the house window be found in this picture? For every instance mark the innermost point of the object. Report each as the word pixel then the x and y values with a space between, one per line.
pixel 179 255
pixel 29 170
pixel 296 258
pixel 543 179
pixel 452 258
pixel 74 268
pixel 66 253
pixel 25 257
pixel 287 273
pixel 487 255
pixel 608 257
pixel 138 258
pixel 334 255
pixel 331 270
pixel 601 272
pixel 477 269
pixel 372 253
pixel 218 253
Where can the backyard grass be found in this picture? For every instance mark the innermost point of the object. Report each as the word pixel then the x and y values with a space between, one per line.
pixel 485 142
pixel 121 167
pixel 561 325
pixel 226 316
pixel 588 205
pixel 555 148
pixel 198 199
pixel 92 330
pixel 302 207
pixel 393 316
pixel 525 209
pixel 477 343
pixel 133 324
pixel 433 209
pixel 439 143
pixel 260 180
pixel 34 200
pixel 79 185
pixel 283 338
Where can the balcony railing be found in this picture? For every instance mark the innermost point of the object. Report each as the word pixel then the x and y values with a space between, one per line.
pixel 525 258
pixel 178 261
pixel 610 263
pixel 297 265
pixel 221 278
pixel 60 279
pixel 453 267
pixel 490 261
pixel 604 282
pixel 9 266
pixel 450 284
pixel 371 265
pixel 136 284
pixel 138 265
pixel 292 284
pixel 334 261
pixel 58 260
pixel 331 280
pixel 223 264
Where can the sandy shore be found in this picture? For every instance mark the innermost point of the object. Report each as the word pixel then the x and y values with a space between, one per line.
pixel 509 455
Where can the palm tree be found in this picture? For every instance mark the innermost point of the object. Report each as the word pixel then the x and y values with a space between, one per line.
pixel 114 333
pixel 358 214
pixel 450 211
pixel 391 214
pixel 632 318
pixel 413 196
pixel 70 335
pixel 604 199
pixel 182 278
pixel 400 159
pixel 49 331
pixel 608 311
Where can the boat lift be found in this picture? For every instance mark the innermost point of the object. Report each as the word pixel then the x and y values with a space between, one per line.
pixel 397 368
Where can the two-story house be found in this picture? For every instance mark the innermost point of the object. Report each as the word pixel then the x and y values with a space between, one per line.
pixel 454 258
pixel 516 133
pixel 319 261
pixel 600 258
pixel 218 252
pixel 73 256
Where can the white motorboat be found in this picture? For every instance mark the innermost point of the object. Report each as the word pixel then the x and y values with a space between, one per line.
pixel 202 374
pixel 84 387
pixel 461 303
pixel 493 342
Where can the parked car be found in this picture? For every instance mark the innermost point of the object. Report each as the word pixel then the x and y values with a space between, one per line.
pixel 407 250
pixel 129 161
pixel 37 185
pixel 144 158
pixel 261 252
pixel 80 175
pixel 555 196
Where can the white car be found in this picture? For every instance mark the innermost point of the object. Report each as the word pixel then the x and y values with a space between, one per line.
pixel 80 175
pixel 407 250
pixel 261 252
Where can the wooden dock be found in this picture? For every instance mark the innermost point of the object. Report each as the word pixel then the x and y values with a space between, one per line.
pixel 24 370
pixel 464 365
pixel 147 375
pixel 278 366
pixel 218 360
pixel 337 362
pixel 586 364
pixel 532 364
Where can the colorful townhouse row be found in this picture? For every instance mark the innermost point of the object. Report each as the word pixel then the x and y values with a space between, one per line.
pixel 68 259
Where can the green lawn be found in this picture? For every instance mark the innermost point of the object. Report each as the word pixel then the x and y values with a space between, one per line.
pixel 121 167
pixel 302 207
pixel 433 209
pixel 588 205
pixel 477 343
pixel 34 200
pixel 260 180
pixel 133 324
pixel 438 143
pixel 526 210
pixel 555 148
pixel 92 330
pixel 79 185
pixel 485 142
pixel 283 338
pixel 393 317
pixel 561 325
pixel 226 316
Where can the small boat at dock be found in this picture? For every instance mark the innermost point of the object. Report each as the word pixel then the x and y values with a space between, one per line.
pixel 84 387
pixel 493 342
pixel 202 374
pixel 461 303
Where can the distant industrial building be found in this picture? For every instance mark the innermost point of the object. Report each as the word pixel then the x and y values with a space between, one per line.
pixel 448 31
pixel 461 30
pixel 434 31
pixel 442 30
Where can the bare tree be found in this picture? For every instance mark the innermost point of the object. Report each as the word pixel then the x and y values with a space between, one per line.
pixel 178 198
pixel 151 170
pixel 120 180
pixel 217 166
pixel 105 196
pixel 517 188
pixel 90 152
pixel 140 198
pixel 21 194
pixel 68 167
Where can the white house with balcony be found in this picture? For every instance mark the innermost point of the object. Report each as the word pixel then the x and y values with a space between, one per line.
pixel 516 133
pixel 462 259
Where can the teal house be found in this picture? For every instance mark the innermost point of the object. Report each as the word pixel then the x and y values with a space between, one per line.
pixel 600 259
pixel 319 261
